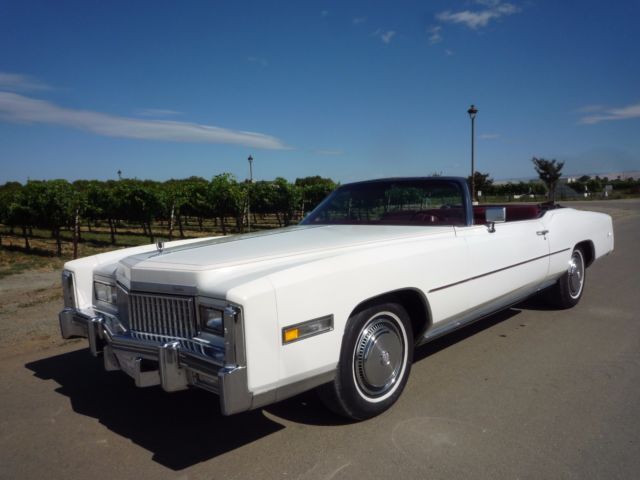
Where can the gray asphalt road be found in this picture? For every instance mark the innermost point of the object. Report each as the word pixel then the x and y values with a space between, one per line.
pixel 527 393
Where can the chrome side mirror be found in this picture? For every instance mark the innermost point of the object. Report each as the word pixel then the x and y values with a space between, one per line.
pixel 493 215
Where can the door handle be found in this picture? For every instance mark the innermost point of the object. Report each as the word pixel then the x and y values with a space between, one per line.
pixel 542 232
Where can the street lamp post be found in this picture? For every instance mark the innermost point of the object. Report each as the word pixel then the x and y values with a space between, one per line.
pixel 250 159
pixel 473 111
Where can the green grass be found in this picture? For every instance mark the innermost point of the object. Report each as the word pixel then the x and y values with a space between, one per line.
pixel 17 261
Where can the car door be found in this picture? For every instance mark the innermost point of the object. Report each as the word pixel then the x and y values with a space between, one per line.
pixel 506 263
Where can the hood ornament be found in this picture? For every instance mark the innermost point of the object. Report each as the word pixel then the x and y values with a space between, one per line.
pixel 160 246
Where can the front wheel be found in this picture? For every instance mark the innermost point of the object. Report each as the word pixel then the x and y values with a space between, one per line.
pixel 567 292
pixel 375 361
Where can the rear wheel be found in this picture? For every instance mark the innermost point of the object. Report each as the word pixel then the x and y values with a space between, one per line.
pixel 568 291
pixel 375 361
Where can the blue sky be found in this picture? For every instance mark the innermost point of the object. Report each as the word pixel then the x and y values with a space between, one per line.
pixel 348 90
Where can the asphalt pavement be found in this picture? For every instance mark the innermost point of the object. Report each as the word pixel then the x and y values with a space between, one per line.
pixel 527 393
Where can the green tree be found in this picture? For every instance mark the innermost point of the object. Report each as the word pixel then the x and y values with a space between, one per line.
pixel 104 204
pixel 197 203
pixel 17 213
pixel 314 190
pixel 9 192
pixel 263 198
pixel 287 200
pixel 595 184
pixel 52 205
pixel 227 197
pixel 173 196
pixel 138 203
pixel 482 182
pixel 549 172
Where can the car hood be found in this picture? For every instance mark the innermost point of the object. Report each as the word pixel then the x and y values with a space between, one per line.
pixel 260 251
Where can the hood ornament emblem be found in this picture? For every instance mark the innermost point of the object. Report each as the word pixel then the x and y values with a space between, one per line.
pixel 160 246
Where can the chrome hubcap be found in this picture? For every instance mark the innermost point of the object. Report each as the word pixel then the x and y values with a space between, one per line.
pixel 576 274
pixel 378 356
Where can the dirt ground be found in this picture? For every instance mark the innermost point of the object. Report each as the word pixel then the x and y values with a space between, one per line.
pixel 29 306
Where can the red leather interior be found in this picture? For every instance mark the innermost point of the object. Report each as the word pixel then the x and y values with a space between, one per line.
pixel 513 212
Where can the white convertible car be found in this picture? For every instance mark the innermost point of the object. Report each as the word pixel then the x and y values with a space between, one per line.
pixel 338 302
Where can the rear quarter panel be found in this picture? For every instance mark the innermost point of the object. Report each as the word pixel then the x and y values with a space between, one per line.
pixel 568 227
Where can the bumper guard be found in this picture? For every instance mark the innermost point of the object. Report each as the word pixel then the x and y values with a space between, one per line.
pixel 175 364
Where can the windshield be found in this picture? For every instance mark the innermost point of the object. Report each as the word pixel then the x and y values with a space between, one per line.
pixel 392 202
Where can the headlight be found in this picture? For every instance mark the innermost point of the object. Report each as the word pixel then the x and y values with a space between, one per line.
pixel 212 320
pixel 104 292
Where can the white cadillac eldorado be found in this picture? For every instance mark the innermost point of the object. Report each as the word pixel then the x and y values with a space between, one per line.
pixel 338 302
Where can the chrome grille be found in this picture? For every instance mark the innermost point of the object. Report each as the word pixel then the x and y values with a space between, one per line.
pixel 172 316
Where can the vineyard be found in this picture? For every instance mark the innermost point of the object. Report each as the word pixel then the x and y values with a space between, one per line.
pixel 55 219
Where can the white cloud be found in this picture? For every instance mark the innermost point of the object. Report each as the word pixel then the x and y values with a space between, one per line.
pixel 489 136
pixel 448 52
pixel 324 13
pixel 19 82
pixel 493 10
pixel 155 112
pixel 608 114
pixel 21 109
pixel 387 36
pixel 435 34
pixel 359 20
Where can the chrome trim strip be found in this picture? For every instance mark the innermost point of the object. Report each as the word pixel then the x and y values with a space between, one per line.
pixel 68 289
pixel 477 313
pixel 497 271
pixel 158 288
pixel 483 311
pixel 234 337
pixel 122 302
pixel 292 389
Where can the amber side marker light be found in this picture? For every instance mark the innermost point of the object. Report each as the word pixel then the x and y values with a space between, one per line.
pixel 307 329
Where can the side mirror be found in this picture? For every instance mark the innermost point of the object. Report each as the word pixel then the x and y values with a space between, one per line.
pixel 495 215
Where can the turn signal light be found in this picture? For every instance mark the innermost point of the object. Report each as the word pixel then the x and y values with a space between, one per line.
pixel 307 329
pixel 291 334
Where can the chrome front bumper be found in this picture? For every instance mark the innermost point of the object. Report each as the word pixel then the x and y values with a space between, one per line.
pixel 150 359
